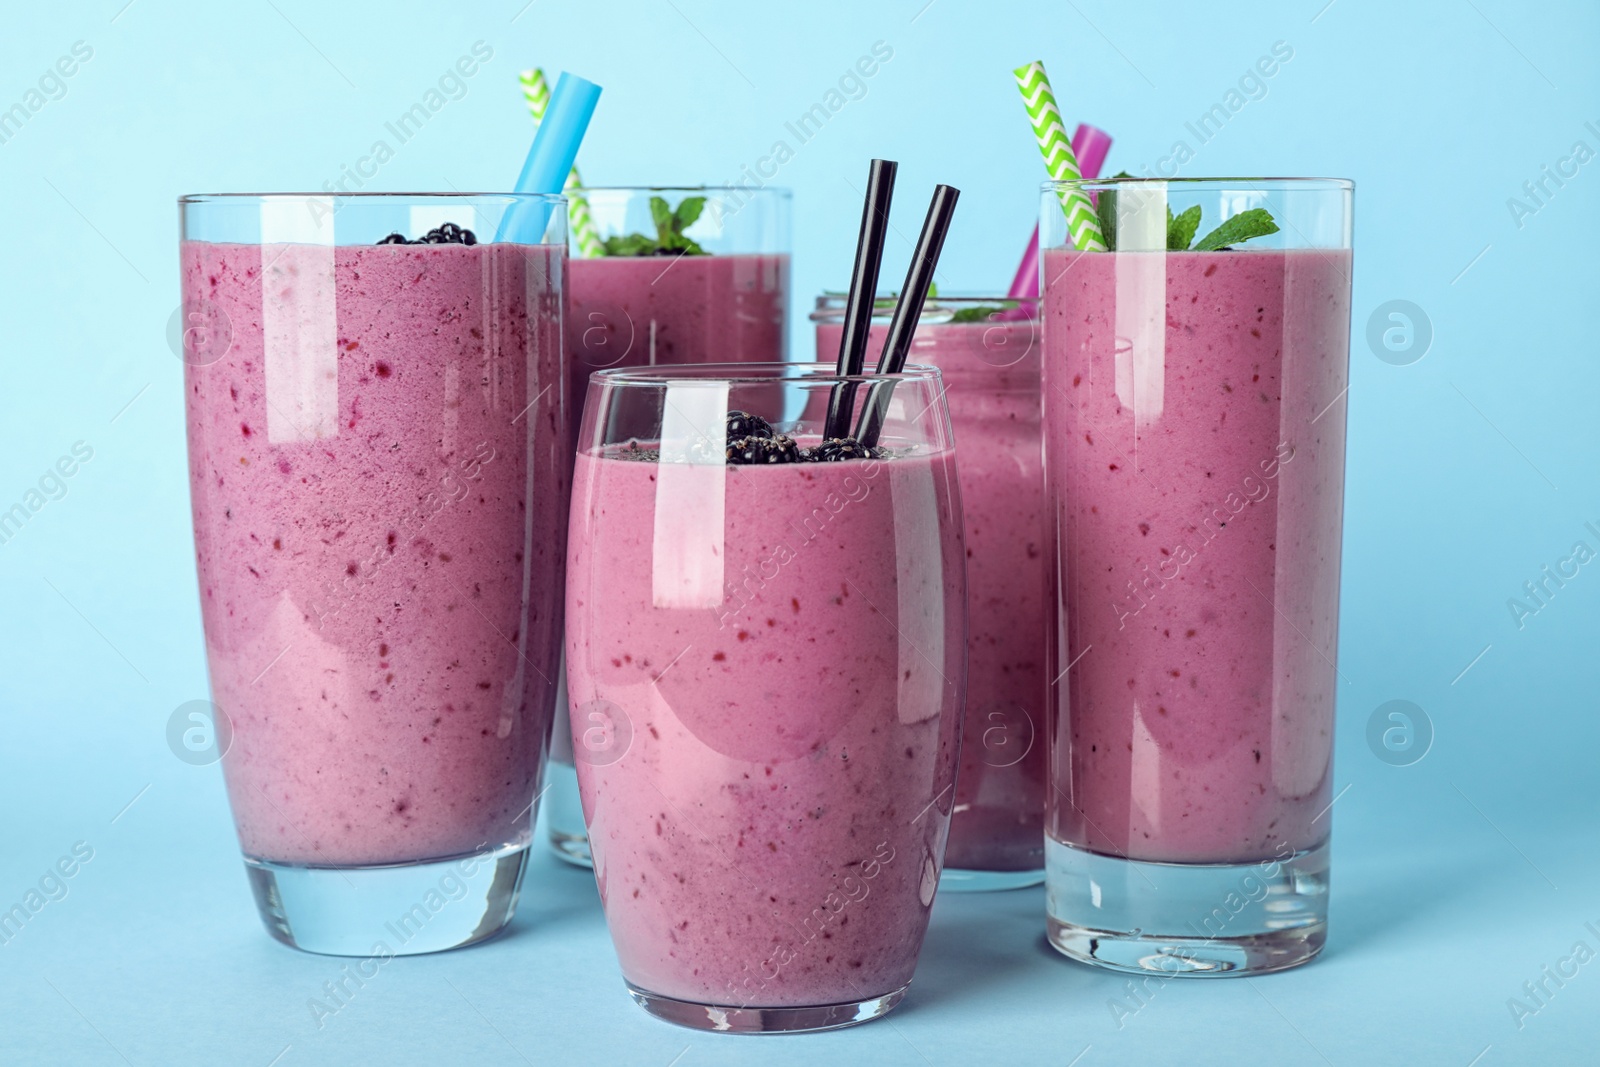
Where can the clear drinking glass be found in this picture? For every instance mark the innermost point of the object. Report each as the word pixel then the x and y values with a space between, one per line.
pixel 1194 455
pixel 727 301
pixel 766 667
pixel 987 350
pixel 379 472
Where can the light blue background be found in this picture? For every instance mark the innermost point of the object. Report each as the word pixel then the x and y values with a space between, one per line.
pixel 1457 877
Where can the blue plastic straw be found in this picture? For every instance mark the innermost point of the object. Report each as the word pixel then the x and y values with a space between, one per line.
pixel 555 149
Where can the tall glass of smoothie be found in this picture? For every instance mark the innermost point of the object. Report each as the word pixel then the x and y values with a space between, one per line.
pixel 1194 384
pixel 987 350
pixel 766 639
pixel 379 474
pixel 668 277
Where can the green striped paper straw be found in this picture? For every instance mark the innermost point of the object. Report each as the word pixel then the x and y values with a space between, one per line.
pixel 536 91
pixel 1083 226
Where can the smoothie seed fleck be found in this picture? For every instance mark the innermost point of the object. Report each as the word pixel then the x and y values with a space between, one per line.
pixel 719 657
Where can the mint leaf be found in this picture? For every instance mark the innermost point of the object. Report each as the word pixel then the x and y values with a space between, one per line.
pixel 669 238
pixel 662 214
pixel 689 210
pixel 1105 206
pixel 983 313
pixel 1257 222
pixel 1180 228
pixel 634 244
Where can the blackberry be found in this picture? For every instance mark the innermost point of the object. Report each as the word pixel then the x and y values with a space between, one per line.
pixel 835 449
pixel 743 424
pixel 752 450
pixel 447 234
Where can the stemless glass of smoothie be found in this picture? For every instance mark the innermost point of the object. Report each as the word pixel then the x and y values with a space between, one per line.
pixel 688 274
pixel 765 655
pixel 379 473
pixel 1194 382
pixel 987 350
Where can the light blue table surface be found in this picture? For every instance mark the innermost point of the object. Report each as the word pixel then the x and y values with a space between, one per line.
pixel 1457 878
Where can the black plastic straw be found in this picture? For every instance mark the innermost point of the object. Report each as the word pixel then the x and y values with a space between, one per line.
pixel 863 291
pixel 908 310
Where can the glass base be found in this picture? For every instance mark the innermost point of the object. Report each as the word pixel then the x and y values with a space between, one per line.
pixel 735 1020
pixel 396 910
pixel 957 880
pixel 563 815
pixel 1186 920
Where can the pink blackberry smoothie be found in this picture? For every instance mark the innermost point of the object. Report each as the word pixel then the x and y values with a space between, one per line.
pixel 785 664
pixel 1196 478
pixel 991 368
pixel 378 477
pixel 646 311
pixel 635 311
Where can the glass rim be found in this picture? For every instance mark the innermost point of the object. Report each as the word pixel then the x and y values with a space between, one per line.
pixel 740 374
pixel 1344 184
pixel 202 198
pixel 776 190
pixel 829 300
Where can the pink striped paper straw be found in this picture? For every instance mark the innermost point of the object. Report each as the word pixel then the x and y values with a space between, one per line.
pixel 1090 144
